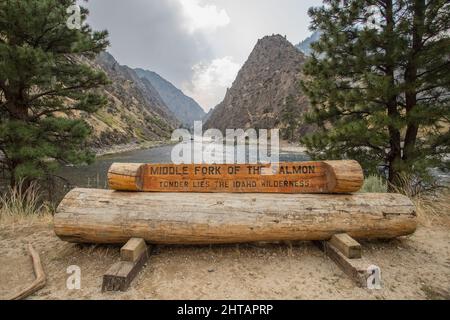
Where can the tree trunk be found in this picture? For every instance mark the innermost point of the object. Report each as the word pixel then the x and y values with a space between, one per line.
pixel 105 216
pixel 411 79
pixel 395 153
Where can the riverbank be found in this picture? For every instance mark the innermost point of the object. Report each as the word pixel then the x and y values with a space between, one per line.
pixel 133 146
pixel 285 146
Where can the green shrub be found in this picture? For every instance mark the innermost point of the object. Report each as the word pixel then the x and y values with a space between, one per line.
pixel 374 184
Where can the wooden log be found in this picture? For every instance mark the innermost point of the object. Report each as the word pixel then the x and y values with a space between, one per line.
pixel 297 177
pixel 40 280
pixel 125 176
pixel 347 245
pixel 106 216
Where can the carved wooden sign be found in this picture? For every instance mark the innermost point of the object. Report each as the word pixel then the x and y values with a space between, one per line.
pixel 290 177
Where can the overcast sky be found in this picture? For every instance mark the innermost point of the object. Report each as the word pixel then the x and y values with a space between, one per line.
pixel 198 45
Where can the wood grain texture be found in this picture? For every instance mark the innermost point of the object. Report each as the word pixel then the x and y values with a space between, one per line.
pixel 125 176
pixel 133 249
pixel 292 177
pixel 356 269
pixel 121 274
pixel 106 216
pixel 347 245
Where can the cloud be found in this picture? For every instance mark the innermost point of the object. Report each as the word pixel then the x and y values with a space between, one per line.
pixel 154 34
pixel 203 17
pixel 191 42
pixel 211 80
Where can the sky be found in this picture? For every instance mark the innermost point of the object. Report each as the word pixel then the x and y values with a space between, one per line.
pixel 198 45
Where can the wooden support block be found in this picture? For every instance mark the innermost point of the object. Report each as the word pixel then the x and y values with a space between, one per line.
pixel 346 245
pixel 133 250
pixel 356 269
pixel 121 274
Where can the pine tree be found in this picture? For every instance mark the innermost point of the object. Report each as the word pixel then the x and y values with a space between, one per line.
pixel 289 117
pixel 379 84
pixel 43 83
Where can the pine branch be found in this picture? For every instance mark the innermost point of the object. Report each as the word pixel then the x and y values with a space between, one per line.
pixel 61 92
pixel 438 68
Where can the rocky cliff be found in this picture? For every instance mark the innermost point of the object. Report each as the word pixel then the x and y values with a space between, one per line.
pixel 135 111
pixel 266 92
pixel 185 109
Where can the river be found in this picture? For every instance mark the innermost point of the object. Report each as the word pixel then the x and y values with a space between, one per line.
pixel 95 175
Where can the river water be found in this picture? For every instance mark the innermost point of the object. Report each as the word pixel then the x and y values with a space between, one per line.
pixel 95 175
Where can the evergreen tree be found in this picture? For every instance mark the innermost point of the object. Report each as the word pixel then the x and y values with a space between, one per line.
pixel 43 83
pixel 379 84
pixel 289 117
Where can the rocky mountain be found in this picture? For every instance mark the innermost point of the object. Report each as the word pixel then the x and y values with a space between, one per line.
pixel 266 92
pixel 208 115
pixel 185 109
pixel 135 111
pixel 305 45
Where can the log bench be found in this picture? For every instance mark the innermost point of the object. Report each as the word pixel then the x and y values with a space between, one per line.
pixel 333 221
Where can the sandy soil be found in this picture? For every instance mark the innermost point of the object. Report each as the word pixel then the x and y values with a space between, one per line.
pixel 414 267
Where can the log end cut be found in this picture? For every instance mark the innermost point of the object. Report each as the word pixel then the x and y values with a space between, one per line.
pixel 344 176
pixel 126 176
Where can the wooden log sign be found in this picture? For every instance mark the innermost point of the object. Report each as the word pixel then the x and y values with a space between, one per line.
pixel 292 177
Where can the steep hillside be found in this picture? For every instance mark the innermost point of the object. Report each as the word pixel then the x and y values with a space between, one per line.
pixel 135 111
pixel 266 91
pixel 183 107
pixel 305 45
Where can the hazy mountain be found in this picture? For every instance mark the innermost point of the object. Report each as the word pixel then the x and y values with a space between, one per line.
pixel 305 45
pixel 208 115
pixel 135 110
pixel 258 96
pixel 183 107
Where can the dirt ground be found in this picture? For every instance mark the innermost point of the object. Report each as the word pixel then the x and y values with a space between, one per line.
pixel 414 267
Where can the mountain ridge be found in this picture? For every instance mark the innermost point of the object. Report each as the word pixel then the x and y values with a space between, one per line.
pixel 263 88
pixel 185 109
pixel 135 112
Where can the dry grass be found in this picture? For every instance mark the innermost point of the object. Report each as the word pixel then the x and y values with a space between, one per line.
pixel 432 203
pixel 23 207
pixel 433 208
